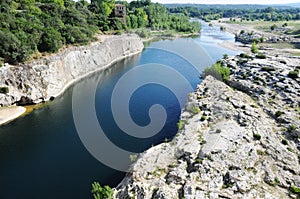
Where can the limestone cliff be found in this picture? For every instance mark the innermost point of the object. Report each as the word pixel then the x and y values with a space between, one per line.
pixel 42 79
pixel 242 143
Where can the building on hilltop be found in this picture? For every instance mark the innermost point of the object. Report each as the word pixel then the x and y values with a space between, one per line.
pixel 120 11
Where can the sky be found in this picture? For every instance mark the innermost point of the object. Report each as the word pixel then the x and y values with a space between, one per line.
pixel 229 1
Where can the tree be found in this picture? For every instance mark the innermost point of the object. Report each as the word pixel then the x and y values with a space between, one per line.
pixel 51 41
pixel 101 192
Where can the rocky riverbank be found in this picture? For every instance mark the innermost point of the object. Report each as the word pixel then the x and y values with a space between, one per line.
pixel 47 78
pixel 236 140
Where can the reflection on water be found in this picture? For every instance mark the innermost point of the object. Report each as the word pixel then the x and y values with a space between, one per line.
pixel 41 154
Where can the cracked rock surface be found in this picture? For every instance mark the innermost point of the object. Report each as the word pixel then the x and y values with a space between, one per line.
pixel 237 145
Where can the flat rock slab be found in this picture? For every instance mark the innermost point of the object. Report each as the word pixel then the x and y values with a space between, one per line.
pixel 218 138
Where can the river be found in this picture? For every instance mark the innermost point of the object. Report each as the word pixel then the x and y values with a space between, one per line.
pixel 41 154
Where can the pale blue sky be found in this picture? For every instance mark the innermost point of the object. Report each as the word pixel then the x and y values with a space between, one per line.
pixel 228 1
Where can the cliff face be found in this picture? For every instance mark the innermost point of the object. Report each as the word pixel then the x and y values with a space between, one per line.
pixel 45 78
pixel 243 143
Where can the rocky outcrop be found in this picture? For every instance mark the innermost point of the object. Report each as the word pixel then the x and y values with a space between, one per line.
pixel 248 38
pixel 238 141
pixel 42 79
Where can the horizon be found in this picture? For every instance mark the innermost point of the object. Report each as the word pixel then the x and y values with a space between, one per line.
pixel 228 2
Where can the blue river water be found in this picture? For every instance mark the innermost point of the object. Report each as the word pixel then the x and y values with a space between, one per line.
pixel 41 154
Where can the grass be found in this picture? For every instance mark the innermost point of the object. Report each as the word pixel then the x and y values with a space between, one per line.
pixel 195 110
pixel 180 124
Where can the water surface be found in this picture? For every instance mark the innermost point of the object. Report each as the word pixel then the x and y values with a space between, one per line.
pixel 41 155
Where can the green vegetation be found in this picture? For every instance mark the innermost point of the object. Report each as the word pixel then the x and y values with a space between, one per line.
pixel 256 136
pixel 218 71
pixel 294 74
pixel 195 110
pixel 284 142
pixel 133 158
pixel 278 113
pixel 295 190
pixel 254 48
pixel 180 124
pixel 244 12
pixel 4 90
pixel 44 26
pixel 243 55
pixel 101 192
pixel 261 56
pixel 260 152
pixel 203 118
pixel 268 68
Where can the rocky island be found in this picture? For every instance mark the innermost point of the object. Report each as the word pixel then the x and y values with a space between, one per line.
pixel 235 140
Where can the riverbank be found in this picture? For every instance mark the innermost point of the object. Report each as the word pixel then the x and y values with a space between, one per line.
pixel 8 114
pixel 263 28
pixel 244 142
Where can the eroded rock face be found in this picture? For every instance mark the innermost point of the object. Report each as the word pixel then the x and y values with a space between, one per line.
pixel 232 148
pixel 43 79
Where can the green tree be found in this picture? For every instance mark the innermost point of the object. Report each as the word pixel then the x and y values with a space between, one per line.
pixel 51 41
pixel 101 192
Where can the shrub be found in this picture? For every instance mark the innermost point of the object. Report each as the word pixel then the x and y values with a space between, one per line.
pixel 261 56
pixel 225 56
pixel 295 190
pixel 256 136
pixel 133 158
pixel 284 142
pixel 268 69
pixel 254 48
pixel 4 90
pixel 101 192
pixel 242 32
pixel 218 71
pixel 243 55
pixel 293 74
pixel 278 113
pixel 203 118
pixel 273 27
pixel 180 124
pixel 195 110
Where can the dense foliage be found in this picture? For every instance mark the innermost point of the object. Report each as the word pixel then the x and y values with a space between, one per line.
pixel 246 12
pixel 217 71
pixel 29 27
pixel 101 192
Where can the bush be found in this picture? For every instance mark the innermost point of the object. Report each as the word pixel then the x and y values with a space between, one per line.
pixel 218 71
pixel 180 124
pixel 4 90
pixel 284 142
pixel 261 56
pixel 293 74
pixel 254 48
pixel 256 136
pixel 278 113
pixel 101 192
pixel 203 118
pixel 243 55
pixel 273 27
pixel 295 190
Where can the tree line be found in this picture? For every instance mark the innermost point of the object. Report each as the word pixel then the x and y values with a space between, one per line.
pixel 209 13
pixel 31 27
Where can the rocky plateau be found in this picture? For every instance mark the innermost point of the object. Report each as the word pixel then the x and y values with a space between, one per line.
pixel 239 139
